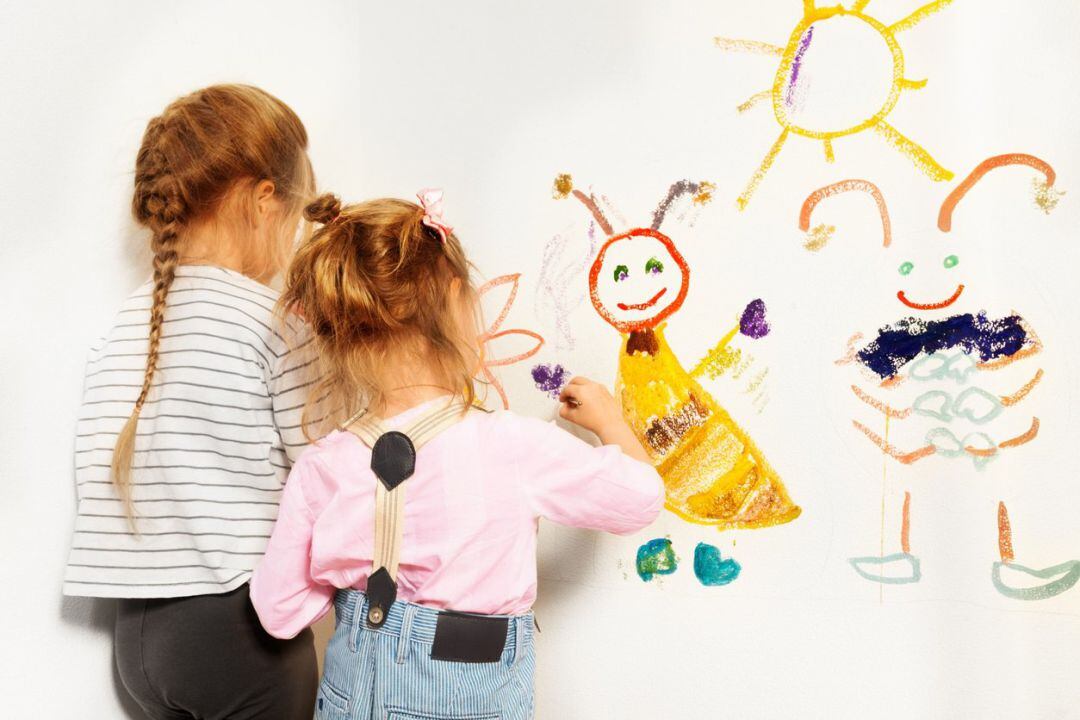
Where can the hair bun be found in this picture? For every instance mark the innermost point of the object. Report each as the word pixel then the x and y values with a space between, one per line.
pixel 323 209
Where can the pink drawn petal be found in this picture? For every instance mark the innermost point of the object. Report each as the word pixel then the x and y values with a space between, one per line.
pixel 494 382
pixel 511 359
pixel 511 279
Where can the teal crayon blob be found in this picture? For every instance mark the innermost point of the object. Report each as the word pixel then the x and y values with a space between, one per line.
pixel 713 570
pixel 656 557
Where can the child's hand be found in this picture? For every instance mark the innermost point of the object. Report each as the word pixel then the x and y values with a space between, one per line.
pixel 590 405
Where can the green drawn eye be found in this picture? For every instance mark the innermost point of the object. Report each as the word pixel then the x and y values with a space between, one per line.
pixel 621 273
pixel 951 261
pixel 906 268
pixel 654 266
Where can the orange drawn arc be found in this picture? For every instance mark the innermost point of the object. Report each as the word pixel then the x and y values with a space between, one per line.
pixel 947 207
pixel 848 186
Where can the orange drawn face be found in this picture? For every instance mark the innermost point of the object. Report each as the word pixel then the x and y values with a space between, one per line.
pixel 638 279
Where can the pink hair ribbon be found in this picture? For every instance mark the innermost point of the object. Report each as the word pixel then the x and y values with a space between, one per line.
pixel 431 199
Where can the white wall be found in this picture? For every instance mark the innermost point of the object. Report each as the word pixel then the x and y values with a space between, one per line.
pixel 491 100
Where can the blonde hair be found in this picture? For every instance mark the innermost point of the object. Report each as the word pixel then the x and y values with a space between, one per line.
pixel 378 287
pixel 193 158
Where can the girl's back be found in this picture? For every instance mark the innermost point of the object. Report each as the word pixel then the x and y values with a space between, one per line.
pixel 469 538
pixel 213 444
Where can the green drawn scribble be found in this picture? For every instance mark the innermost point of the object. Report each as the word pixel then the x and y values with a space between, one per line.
pixel 914 568
pixel 1069 573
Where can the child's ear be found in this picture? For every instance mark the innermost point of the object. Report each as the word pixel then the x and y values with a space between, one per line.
pixel 265 201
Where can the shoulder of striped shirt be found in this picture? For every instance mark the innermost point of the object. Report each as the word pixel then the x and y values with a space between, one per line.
pixel 252 304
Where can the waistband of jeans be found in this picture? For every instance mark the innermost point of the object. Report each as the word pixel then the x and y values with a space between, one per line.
pixel 351 607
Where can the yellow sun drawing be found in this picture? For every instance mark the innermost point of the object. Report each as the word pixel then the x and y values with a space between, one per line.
pixel 841 72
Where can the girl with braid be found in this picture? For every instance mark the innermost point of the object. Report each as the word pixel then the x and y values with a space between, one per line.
pixel 191 416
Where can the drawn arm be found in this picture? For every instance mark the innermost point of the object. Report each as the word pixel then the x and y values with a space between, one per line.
pixel 719 359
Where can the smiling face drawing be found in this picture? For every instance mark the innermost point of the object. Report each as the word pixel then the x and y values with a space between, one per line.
pixel 638 279
pixel 907 267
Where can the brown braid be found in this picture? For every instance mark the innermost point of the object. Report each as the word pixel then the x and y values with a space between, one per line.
pixel 191 157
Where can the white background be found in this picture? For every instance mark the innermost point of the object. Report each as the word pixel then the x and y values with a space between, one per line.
pixel 491 101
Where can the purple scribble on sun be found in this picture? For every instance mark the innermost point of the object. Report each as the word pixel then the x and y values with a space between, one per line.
pixel 753 323
pixel 550 378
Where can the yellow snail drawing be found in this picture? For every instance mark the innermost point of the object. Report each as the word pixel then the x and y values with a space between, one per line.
pixel 713 472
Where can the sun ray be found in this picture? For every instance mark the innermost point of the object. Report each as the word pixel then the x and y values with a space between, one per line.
pixel 915 153
pixel 755 180
pixel 748 46
pixel 913 84
pixel 829 156
pixel 919 15
pixel 754 100
pixel 808 6
pixel 860 5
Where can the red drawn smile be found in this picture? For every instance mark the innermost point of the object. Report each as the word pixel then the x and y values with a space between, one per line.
pixel 931 306
pixel 644 305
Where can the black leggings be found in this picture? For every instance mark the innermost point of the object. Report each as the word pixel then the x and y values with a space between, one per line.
pixel 207 657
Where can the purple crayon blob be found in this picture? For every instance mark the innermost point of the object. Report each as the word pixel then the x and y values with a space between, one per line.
pixel 752 323
pixel 550 378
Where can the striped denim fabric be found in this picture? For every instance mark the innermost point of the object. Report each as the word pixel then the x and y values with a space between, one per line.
pixel 388 674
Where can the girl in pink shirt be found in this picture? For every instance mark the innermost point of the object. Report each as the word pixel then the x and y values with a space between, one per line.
pixel 417 518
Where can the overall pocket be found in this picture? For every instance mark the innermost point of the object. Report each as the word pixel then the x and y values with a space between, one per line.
pixel 331 703
pixel 412 715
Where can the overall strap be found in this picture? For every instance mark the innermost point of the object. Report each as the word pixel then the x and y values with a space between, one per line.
pixel 393 460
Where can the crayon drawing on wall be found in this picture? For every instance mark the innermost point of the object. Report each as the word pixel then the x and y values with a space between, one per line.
pixel 713 472
pixel 949 357
pixel 841 72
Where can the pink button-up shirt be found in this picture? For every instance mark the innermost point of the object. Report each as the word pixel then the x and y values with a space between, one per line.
pixel 471 510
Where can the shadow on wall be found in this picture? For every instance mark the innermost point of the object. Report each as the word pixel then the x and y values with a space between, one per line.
pixel 98 615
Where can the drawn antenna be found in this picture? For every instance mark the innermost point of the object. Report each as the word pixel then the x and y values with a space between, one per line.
pixel 945 214
pixel 845 186
pixel 564 186
pixel 676 191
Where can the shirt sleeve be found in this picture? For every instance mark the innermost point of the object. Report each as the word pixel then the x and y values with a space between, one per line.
pixel 292 377
pixel 570 482
pixel 283 592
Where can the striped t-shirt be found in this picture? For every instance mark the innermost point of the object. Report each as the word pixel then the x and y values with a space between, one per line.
pixel 213 446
